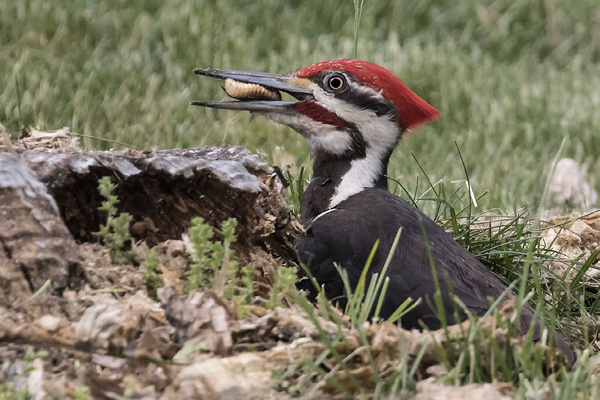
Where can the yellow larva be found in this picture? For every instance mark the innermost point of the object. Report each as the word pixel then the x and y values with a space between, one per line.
pixel 249 91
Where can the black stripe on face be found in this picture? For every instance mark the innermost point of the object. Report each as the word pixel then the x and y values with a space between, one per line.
pixel 358 145
pixel 361 99
pixel 351 93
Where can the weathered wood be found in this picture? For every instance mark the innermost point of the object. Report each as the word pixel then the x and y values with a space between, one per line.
pixel 35 245
pixel 164 190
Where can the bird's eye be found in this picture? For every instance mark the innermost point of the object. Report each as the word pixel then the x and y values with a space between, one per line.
pixel 335 82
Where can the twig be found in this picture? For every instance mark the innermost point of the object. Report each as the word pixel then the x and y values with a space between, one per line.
pixel 220 281
pixel 6 139
pixel 106 140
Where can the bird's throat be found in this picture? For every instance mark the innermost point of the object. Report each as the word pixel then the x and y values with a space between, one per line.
pixel 336 179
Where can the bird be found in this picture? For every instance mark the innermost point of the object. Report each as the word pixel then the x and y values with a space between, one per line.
pixel 353 114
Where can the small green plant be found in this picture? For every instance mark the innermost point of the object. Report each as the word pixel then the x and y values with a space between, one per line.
pixel 284 287
pixel 8 392
pixel 151 278
pixel 115 233
pixel 215 265
pixel 82 393
pixel 30 356
pixel 296 189
pixel 7 389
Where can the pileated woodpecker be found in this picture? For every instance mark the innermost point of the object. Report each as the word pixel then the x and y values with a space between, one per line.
pixel 353 113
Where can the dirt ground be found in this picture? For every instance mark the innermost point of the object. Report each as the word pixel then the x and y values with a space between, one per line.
pixel 106 338
pixel 111 339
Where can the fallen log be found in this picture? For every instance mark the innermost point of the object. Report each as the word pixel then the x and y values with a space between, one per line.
pixel 35 245
pixel 164 190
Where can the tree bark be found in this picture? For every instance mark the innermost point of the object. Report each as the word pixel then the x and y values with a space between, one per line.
pixel 35 245
pixel 164 190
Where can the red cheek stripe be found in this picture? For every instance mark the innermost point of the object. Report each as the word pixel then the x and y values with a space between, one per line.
pixel 312 110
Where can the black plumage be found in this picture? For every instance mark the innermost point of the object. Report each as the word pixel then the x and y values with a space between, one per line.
pixel 338 236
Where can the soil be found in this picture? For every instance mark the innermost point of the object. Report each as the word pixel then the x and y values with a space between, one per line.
pixel 102 336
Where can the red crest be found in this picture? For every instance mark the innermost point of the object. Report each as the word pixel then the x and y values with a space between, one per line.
pixel 414 111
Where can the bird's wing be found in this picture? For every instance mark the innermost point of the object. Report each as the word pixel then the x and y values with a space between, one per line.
pixel 347 235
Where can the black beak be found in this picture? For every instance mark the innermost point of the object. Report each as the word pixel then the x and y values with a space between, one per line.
pixel 273 82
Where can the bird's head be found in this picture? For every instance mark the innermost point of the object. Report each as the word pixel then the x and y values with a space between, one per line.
pixel 349 111
pixel 336 101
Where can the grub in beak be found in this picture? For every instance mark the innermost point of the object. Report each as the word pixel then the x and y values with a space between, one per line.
pixel 256 91
pixel 249 91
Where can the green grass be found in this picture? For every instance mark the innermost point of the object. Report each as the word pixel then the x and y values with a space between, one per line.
pixel 509 244
pixel 512 78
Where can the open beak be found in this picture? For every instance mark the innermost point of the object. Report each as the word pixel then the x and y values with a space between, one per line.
pixel 256 91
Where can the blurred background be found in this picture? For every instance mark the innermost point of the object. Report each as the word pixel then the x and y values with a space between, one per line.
pixel 511 77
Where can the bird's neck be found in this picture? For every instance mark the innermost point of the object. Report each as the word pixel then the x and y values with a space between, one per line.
pixel 337 178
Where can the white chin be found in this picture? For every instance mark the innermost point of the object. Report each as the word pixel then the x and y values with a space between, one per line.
pixel 319 136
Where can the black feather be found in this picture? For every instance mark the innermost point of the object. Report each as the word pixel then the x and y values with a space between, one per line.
pixel 347 234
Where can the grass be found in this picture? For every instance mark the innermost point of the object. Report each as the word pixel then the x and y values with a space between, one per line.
pixel 513 79
pixel 509 244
